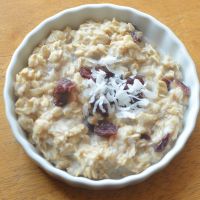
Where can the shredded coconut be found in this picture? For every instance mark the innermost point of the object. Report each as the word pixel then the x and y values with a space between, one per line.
pixel 108 60
pixel 110 91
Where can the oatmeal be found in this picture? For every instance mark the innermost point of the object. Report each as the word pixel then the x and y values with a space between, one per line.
pixel 99 101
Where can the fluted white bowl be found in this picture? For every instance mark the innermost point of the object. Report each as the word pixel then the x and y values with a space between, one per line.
pixel 155 32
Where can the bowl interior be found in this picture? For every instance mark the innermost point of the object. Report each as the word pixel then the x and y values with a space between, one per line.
pixel 156 33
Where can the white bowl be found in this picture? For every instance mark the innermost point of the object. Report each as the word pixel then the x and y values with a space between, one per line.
pixel 155 32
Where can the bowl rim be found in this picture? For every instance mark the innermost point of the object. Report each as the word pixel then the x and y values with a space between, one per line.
pixel 82 181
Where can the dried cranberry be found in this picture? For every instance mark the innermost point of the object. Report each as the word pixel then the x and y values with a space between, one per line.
pixel 105 129
pixel 106 70
pixel 136 36
pixel 168 82
pixel 163 143
pixel 85 72
pixel 63 88
pixel 130 81
pixel 145 137
pixel 186 90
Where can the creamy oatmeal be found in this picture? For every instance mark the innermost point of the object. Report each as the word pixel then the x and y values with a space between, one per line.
pixel 99 101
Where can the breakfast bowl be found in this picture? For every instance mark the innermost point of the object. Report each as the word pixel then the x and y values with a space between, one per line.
pixel 155 33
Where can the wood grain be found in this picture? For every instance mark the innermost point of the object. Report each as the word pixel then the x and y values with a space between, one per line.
pixel 21 179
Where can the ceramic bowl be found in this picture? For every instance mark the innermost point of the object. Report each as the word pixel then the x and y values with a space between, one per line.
pixel 155 32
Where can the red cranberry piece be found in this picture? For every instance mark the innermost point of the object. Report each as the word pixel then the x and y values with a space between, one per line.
pixel 145 137
pixel 136 36
pixel 85 72
pixel 105 129
pixel 63 88
pixel 168 82
pixel 106 70
pixel 186 90
pixel 163 143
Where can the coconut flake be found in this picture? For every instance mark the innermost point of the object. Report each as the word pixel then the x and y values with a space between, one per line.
pixel 105 61
pixel 108 60
pixel 149 94
pixel 110 91
pixel 126 114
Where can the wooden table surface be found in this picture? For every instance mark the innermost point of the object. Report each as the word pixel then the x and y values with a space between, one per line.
pixel 21 179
